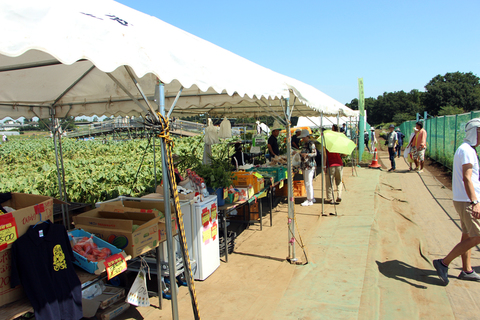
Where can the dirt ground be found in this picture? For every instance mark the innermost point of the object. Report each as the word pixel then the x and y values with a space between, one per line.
pixel 373 260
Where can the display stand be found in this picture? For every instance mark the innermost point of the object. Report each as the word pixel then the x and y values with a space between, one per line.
pixel 224 211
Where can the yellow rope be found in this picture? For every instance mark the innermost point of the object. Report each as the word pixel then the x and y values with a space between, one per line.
pixel 165 135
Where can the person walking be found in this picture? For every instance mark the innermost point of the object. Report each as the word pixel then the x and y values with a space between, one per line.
pixel 391 142
pixel 373 139
pixel 334 173
pixel 466 196
pixel 419 146
pixel 400 137
pixel 366 139
pixel 308 165
pixel 407 154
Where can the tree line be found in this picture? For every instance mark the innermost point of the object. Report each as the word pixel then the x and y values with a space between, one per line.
pixel 452 93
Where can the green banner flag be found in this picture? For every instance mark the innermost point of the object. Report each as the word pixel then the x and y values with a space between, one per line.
pixel 361 97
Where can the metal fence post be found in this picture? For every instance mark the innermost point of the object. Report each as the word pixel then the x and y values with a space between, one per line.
pixel 455 141
pixel 444 150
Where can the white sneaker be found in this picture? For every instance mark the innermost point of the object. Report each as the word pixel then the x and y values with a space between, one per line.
pixel 307 203
pixel 314 200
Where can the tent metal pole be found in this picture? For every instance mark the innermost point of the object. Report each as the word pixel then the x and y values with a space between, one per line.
pixel 291 217
pixel 168 214
pixel 118 83
pixel 130 72
pixel 175 102
pixel 60 189
pixel 323 161
pixel 65 195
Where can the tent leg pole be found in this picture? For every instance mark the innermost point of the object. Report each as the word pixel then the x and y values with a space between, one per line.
pixel 64 206
pixel 168 214
pixel 60 189
pixel 322 166
pixel 291 217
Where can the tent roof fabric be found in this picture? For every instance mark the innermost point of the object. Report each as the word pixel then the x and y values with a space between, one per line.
pixel 73 55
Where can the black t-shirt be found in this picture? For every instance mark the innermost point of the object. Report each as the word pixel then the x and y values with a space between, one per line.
pixel 297 142
pixel 42 264
pixel 272 141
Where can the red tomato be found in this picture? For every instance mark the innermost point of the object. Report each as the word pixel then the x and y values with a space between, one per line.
pixel 107 251
pixel 77 248
pixel 88 247
pixel 102 256
pixel 91 257
pixel 96 252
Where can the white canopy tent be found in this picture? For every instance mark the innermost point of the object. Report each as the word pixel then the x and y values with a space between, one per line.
pixel 72 58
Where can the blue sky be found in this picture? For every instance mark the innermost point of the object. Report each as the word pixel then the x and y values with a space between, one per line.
pixel 393 45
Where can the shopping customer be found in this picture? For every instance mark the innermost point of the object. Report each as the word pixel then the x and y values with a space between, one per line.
pixel 466 196
pixel 308 164
pixel 334 173
pixel 419 146
pixel 391 142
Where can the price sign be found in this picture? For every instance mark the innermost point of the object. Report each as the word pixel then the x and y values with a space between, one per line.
pixel 206 235
pixel 205 217
pixel 8 229
pixel 280 186
pixel 214 212
pixel 225 193
pixel 115 265
pixel 214 230
pixel 258 175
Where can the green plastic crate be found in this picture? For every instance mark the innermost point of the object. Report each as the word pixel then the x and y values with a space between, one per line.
pixel 278 173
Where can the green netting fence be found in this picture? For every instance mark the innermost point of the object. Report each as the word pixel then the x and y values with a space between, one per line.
pixel 444 135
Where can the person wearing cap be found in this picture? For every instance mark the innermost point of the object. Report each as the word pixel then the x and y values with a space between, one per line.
pixel 419 146
pixel 391 142
pixel 466 199
pixel 296 139
pixel 273 143
pixel 308 165
pixel 373 139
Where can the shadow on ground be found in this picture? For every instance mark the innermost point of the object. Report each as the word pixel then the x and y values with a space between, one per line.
pixel 404 272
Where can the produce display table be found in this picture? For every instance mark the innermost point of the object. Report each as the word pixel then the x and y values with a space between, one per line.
pixel 18 308
pixel 224 211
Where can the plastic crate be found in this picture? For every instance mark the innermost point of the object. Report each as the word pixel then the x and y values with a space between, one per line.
pixel 278 173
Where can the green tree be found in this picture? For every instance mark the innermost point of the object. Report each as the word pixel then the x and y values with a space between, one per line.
pixel 448 110
pixel 457 89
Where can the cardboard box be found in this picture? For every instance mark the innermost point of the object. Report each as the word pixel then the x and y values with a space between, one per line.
pixel 25 216
pixel 160 206
pixel 113 311
pixel 109 296
pixel 116 227
pixel 114 223
pixel 90 266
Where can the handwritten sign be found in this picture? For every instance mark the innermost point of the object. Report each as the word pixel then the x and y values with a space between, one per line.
pixel 206 235
pixel 213 212
pixel 8 229
pixel 214 230
pixel 258 175
pixel 115 265
pixel 225 193
pixel 205 217
pixel 280 186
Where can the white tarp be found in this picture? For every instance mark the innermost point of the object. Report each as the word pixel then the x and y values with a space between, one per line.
pixel 327 122
pixel 47 47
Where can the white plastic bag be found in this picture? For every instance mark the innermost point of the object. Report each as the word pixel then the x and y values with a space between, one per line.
pixel 211 134
pixel 225 129
pixel 138 294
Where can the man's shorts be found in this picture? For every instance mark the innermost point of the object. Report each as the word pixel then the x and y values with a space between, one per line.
pixel 470 225
pixel 418 154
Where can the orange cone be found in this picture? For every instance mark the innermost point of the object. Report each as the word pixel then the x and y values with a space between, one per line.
pixel 375 161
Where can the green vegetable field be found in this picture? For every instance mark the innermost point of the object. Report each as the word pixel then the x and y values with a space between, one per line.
pixel 95 170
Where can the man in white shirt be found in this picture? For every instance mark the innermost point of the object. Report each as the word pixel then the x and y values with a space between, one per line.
pixel 466 196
